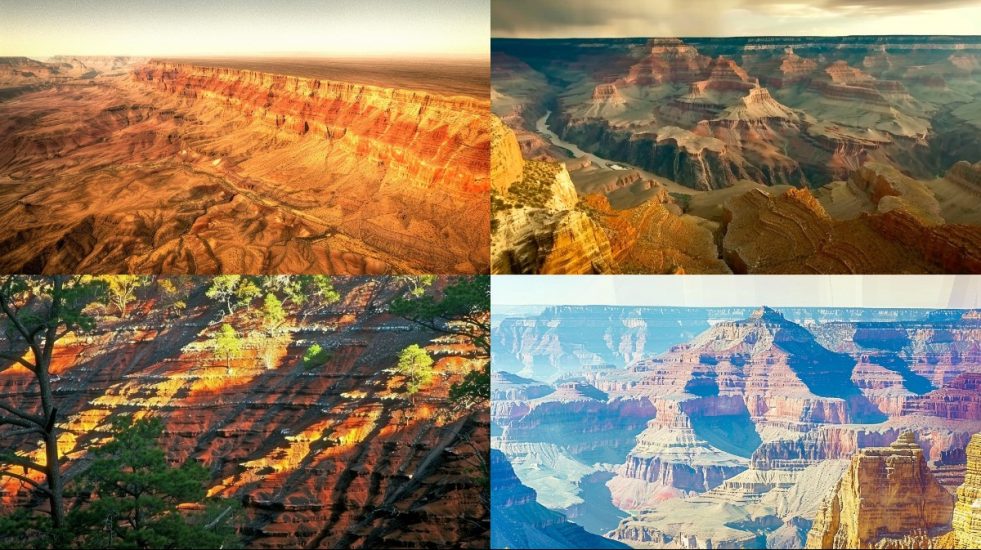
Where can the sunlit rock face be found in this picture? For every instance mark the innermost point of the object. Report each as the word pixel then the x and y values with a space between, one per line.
pixel 733 427
pixel 967 512
pixel 759 154
pixel 887 498
pixel 328 456
pixel 178 168
pixel 540 224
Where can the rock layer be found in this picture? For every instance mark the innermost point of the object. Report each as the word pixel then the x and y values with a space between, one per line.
pixel 887 497
pixel 180 168
pixel 967 512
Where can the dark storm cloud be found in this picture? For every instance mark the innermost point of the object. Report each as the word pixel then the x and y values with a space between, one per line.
pixel 701 17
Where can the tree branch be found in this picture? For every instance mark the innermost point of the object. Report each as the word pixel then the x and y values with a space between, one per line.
pixel 28 464
pixel 39 421
pixel 27 480
pixel 17 359
pixel 14 421
pixel 22 432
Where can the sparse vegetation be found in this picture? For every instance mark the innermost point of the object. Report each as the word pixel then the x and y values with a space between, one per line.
pixel 39 311
pixel 315 356
pixel 122 289
pixel 227 345
pixel 416 366
pixel 682 199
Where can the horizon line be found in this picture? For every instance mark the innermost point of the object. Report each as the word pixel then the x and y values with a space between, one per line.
pixel 634 37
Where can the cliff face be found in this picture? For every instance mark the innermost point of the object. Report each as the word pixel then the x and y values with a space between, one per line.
pixel 886 497
pixel 176 168
pixel 967 512
pixel 506 162
pixel 435 141
pixel 541 225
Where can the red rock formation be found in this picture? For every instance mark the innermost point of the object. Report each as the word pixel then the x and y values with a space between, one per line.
pixel 793 233
pixel 670 61
pixel 439 141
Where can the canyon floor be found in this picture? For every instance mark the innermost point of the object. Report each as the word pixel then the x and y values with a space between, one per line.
pixel 674 427
pixel 333 452
pixel 120 165
pixel 743 155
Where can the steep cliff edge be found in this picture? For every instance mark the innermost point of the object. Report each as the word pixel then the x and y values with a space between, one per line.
pixel 540 224
pixel 176 168
pixel 967 512
pixel 887 498
pixel 434 140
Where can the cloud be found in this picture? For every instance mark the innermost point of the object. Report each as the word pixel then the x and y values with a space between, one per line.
pixel 609 18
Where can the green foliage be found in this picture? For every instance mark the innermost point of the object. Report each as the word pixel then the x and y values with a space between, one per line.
pixel 223 289
pixel 24 528
pixel 39 302
pixel 135 495
pixel 315 356
pixel 299 289
pixel 322 288
pixel 122 289
pixel 462 310
pixel 417 284
pixel 227 345
pixel 682 199
pixel 417 366
pixel 174 291
pixel 474 390
pixel 273 313
pixel 246 291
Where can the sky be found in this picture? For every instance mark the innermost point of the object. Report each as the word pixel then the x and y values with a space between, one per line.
pixel 648 18
pixel 886 291
pixel 342 28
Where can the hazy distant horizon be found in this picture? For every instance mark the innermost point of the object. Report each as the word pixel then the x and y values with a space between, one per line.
pixel 866 291
pixel 147 28
pixel 731 18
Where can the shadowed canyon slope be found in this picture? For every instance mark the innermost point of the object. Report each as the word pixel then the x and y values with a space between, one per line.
pixel 326 453
pixel 740 428
pixel 745 155
pixel 160 167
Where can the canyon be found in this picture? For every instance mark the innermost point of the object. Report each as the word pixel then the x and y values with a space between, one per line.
pixel 744 155
pixel 325 454
pixel 666 427
pixel 242 166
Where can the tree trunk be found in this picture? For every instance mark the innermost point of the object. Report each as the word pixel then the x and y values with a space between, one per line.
pixel 53 473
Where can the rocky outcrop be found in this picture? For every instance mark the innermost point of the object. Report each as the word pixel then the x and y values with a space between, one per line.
pixel 506 163
pixel 540 225
pixel 669 461
pixel 967 175
pixel 793 233
pixel 887 498
pixel 967 512
pixel 669 61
